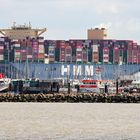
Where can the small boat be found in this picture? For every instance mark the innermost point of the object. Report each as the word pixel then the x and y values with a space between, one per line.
pixel 4 82
pixel 89 85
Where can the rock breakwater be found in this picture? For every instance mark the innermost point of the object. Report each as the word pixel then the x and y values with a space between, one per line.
pixel 71 98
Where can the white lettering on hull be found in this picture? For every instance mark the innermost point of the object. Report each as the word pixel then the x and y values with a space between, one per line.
pixel 88 70
pixel 77 70
pixel 65 70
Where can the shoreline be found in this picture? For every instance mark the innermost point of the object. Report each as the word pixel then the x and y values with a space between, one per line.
pixel 71 98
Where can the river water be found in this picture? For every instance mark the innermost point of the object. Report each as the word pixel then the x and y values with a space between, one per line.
pixel 66 121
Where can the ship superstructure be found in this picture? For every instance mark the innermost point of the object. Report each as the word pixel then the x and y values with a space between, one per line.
pixel 22 32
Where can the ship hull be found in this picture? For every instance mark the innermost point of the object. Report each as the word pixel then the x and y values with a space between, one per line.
pixel 74 71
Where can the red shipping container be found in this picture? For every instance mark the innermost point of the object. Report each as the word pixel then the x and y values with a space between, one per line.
pixel 135 53
pixel 68 50
pixel 95 57
pixel 23 51
pixel 17 50
pixel 116 55
pixel 41 43
pixel 41 56
pixel 17 59
pixel 62 53
pixel 105 54
pixel 130 54
pixel 1 51
pixel 138 54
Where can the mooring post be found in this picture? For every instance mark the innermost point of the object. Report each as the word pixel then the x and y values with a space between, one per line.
pixel 68 87
pixel 117 86
pixel 106 88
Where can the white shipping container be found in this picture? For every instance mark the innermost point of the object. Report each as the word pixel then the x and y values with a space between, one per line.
pixel 41 48
pixel 17 53
pixel 95 48
pixel 1 47
pixel 2 39
pixel 79 49
pixel 79 54
pixel 41 51
pixel 14 40
pixel 68 54
pixel 40 45
pixel 29 56
pixel 106 61
pixel 17 56
pixel 1 57
pixel 46 61
pixel 41 40
pixel 87 41
pixel 78 59
pixel 17 45
pixel 45 54
pixel 105 55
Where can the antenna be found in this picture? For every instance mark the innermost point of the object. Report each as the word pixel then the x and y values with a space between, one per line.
pixel 24 24
pixel 14 24
pixel 29 24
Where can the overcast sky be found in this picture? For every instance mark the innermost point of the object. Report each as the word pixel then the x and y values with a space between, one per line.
pixel 70 19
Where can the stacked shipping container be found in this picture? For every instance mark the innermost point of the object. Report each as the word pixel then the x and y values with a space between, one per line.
pixel 1 52
pixel 79 54
pixel 72 51
pixel 1 49
pixel 135 54
pixel 116 55
pixel 62 51
pixel 29 49
pixel 35 50
pixel 41 49
pixel 51 54
pixel 85 55
pixel 68 53
pixel 95 53
pixel 130 53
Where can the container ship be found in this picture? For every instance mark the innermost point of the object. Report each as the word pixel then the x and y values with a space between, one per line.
pixel 24 53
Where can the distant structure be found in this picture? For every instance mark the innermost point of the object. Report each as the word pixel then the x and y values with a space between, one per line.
pixel 22 32
pixel 97 33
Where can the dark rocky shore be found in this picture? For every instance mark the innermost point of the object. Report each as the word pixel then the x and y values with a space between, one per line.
pixel 71 98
